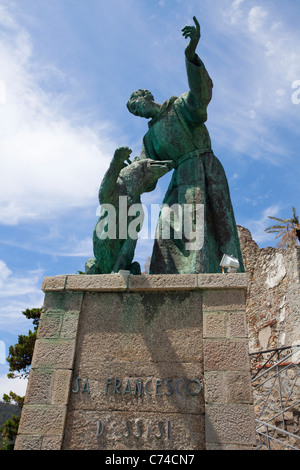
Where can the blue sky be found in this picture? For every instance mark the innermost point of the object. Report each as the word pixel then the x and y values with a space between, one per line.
pixel 68 68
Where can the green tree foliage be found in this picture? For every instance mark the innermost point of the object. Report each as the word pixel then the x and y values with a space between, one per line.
pixel 288 230
pixel 19 359
pixel 10 427
pixel 20 354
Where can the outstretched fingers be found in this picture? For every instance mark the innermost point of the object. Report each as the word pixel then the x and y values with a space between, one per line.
pixel 192 32
pixel 197 24
pixel 189 31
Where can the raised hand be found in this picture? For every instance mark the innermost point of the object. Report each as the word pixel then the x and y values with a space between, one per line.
pixel 194 33
pixel 123 154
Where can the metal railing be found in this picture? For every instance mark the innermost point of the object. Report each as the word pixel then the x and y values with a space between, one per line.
pixel 276 390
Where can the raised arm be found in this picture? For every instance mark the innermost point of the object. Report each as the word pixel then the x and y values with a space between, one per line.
pixel 200 83
pixel 194 33
pixel 108 185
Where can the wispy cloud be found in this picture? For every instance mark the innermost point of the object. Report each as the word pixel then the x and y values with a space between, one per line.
pixel 258 225
pixel 262 54
pixel 18 291
pixel 49 161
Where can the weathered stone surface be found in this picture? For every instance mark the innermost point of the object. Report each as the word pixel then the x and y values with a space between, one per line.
pixel 237 325
pixel 69 325
pixel 58 354
pixel 230 424
pixel 274 294
pixel 54 283
pixel 50 326
pixel 141 327
pixel 226 355
pixel 44 420
pixel 228 387
pixel 186 432
pixel 214 324
pixel 223 281
pixel 141 362
pixel 52 442
pixel 238 387
pixel 28 442
pixel 39 386
pixel 160 387
pixel 169 282
pixel 96 283
pixel 62 301
pixel 61 387
pixel 225 299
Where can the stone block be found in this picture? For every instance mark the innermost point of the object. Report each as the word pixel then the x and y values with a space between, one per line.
pixel 43 420
pixel 52 442
pixel 238 387
pixel 28 442
pixel 230 424
pixel 237 325
pixel 62 302
pixel 50 326
pixel 214 324
pixel 224 299
pixel 61 387
pixel 96 283
pixel 157 282
pixel 159 387
pixel 125 431
pixel 215 387
pixel 223 281
pixel 58 354
pixel 69 325
pixel 226 355
pixel 54 283
pixel 142 327
pixel 39 386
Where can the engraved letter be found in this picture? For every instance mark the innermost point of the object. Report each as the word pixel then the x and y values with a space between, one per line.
pixel 108 383
pixel 117 385
pixel 158 383
pixel 86 387
pixel 138 425
pixel 78 386
pixel 138 387
pixel 127 388
pixel 168 382
pixel 188 391
pixel 146 387
pixel 100 428
pixel 128 429
pixel 160 428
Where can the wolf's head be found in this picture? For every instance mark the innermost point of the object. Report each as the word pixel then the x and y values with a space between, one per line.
pixel 142 175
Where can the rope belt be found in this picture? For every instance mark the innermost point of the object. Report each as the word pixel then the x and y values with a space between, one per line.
pixel 194 153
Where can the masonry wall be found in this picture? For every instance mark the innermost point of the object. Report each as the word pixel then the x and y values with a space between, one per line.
pixel 181 338
pixel 273 302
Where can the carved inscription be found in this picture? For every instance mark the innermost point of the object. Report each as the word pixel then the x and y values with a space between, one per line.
pixel 139 429
pixel 138 387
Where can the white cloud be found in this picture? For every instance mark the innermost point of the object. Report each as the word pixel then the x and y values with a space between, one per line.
pixel 263 57
pixel 17 386
pixel 257 227
pixel 17 293
pixel 256 18
pixel 49 161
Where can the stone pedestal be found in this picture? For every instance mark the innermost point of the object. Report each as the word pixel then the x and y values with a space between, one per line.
pixel 155 362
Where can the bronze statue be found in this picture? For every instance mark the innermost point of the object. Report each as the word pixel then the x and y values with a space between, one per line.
pixel 177 136
pixel 177 132
pixel 114 243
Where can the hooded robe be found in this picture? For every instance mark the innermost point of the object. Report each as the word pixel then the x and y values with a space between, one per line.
pixel 198 188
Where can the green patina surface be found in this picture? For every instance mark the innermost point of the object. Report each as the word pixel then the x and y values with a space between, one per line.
pixel 177 134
